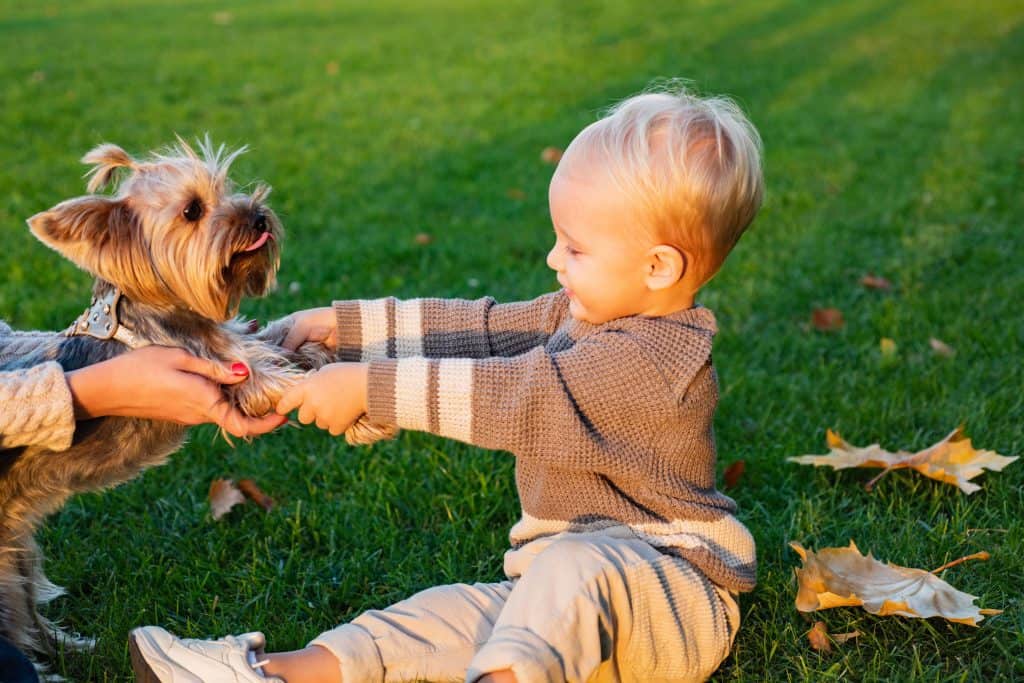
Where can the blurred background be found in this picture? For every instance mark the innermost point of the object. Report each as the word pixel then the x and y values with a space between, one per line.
pixel 404 144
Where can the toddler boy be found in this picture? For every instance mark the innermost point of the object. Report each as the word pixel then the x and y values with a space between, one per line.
pixel 626 560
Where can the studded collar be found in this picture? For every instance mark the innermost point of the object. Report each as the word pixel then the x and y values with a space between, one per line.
pixel 100 321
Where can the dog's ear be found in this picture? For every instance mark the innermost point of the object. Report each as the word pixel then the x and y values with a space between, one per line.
pixel 93 232
pixel 106 160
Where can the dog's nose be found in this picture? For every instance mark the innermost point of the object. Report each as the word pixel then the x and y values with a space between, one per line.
pixel 260 222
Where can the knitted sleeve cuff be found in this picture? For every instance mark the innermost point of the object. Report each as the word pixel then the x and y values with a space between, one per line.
pixel 423 394
pixel 36 408
pixel 372 329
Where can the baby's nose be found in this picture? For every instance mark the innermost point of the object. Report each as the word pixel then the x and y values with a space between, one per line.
pixel 552 259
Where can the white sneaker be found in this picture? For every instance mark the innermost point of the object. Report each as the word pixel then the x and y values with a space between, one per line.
pixel 161 657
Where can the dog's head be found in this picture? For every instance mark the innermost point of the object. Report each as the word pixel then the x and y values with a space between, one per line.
pixel 175 235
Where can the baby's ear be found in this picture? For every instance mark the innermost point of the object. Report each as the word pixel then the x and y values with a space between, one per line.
pixel 89 231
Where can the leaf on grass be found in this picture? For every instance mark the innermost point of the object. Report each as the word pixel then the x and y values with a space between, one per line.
pixel 842 577
pixel 818 635
pixel 887 347
pixel 827 319
pixel 953 460
pixel 551 155
pixel 223 496
pixel 875 282
pixel 253 492
pixel 733 473
pixel 941 348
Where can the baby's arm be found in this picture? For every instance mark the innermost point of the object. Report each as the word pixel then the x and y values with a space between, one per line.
pixel 363 330
pixel 565 407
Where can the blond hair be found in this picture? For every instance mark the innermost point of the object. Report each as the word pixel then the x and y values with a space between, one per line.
pixel 694 165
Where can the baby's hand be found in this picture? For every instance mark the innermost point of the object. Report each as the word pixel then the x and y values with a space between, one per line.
pixel 312 325
pixel 333 397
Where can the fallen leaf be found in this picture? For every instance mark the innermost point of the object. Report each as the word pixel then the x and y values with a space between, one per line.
pixel 874 282
pixel 841 638
pixel 253 492
pixel 422 239
pixel 332 68
pixel 952 460
pixel 827 319
pixel 551 155
pixel 842 577
pixel 818 635
pixel 733 473
pixel 222 18
pixel 223 496
pixel 515 193
pixel 887 347
pixel 941 348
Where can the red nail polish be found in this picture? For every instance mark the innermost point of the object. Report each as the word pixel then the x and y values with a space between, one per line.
pixel 239 369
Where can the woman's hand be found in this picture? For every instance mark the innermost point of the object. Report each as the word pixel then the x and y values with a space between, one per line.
pixel 333 397
pixel 312 325
pixel 161 383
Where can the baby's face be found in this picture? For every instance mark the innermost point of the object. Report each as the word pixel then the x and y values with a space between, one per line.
pixel 599 249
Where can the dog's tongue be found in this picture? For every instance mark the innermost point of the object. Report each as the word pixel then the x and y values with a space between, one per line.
pixel 258 243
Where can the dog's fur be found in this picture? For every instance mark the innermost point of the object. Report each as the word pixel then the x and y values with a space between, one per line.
pixel 182 271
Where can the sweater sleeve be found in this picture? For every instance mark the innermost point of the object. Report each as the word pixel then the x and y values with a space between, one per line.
pixel 36 408
pixel 444 328
pixel 574 408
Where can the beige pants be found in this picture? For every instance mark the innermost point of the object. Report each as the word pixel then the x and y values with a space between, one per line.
pixel 577 608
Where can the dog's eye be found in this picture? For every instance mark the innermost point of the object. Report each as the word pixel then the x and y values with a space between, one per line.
pixel 194 211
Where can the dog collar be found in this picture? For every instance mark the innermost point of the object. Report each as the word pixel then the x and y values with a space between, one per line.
pixel 100 322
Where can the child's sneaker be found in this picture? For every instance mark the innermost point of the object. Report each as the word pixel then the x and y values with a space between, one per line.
pixel 161 657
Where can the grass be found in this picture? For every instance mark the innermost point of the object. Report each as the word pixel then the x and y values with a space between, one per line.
pixel 893 146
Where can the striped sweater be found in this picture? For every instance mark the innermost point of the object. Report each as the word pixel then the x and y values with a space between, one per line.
pixel 611 424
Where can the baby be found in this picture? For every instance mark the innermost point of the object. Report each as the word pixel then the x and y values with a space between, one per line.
pixel 626 561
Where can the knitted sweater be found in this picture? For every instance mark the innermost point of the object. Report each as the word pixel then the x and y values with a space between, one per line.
pixel 611 424
pixel 35 403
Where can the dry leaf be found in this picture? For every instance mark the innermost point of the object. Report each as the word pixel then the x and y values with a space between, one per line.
pixel 953 460
pixel 842 577
pixel 941 348
pixel 223 496
pixel 874 282
pixel 515 193
pixel 422 239
pixel 841 638
pixel 551 155
pixel 253 492
pixel 827 319
pixel 818 635
pixel 887 347
pixel 733 473
pixel 332 68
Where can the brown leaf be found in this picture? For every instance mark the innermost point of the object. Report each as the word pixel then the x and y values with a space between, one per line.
pixel 422 239
pixel 840 638
pixel 827 319
pixel 875 282
pixel 953 460
pixel 733 473
pixel 253 492
pixel 223 496
pixel 941 348
pixel 887 347
pixel 818 635
pixel 332 68
pixel 842 577
pixel 551 155
pixel 515 193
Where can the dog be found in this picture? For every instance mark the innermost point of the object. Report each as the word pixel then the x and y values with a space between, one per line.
pixel 173 251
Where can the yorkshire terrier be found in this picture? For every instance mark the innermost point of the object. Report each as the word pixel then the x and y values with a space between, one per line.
pixel 174 251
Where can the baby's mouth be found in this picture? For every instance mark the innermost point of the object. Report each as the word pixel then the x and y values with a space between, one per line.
pixel 259 242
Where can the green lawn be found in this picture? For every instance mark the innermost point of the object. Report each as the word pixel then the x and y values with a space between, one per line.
pixel 893 145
